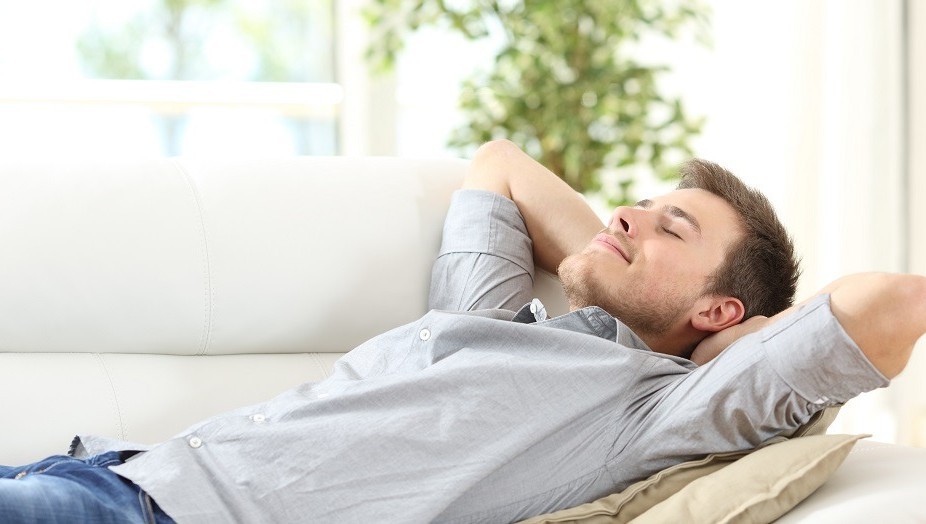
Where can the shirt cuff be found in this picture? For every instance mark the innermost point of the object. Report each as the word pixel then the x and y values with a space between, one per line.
pixel 481 221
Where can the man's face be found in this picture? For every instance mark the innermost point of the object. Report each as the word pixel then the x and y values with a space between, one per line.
pixel 651 263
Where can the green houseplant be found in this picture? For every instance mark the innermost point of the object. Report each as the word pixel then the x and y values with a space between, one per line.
pixel 565 85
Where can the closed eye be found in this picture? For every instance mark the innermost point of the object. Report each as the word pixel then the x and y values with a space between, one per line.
pixel 673 233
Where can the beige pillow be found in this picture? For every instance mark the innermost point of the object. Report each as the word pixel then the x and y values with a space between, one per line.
pixel 761 486
pixel 641 496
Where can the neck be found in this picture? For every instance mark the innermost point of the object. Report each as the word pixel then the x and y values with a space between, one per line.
pixel 679 341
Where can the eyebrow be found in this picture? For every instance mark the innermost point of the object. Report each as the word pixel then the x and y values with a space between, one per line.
pixel 674 211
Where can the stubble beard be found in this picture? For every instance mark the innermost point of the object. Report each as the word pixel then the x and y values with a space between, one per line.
pixel 644 313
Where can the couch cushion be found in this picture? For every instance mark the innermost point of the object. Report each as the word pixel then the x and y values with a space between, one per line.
pixel 138 398
pixel 878 482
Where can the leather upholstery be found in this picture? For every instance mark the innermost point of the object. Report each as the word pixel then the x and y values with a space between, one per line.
pixel 138 298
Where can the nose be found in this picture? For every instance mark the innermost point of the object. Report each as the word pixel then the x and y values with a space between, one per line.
pixel 627 219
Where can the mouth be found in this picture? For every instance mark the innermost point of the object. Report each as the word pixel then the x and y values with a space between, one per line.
pixel 611 243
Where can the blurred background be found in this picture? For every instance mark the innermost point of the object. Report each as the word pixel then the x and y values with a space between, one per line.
pixel 819 103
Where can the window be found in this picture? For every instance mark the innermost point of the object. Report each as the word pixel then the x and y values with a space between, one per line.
pixel 108 79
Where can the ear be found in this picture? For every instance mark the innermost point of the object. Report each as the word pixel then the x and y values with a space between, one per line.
pixel 717 313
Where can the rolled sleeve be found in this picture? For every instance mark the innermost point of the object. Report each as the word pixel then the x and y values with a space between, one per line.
pixel 486 259
pixel 815 356
pixel 767 384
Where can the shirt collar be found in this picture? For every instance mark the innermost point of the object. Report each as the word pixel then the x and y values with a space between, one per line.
pixel 590 320
pixel 594 321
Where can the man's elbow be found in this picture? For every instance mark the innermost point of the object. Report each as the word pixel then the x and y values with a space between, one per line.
pixel 491 167
pixel 494 150
pixel 919 286
pixel 908 302
pixel 901 321
pixel 916 297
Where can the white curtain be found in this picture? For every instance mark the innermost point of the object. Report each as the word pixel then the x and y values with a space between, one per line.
pixel 806 100
pixel 910 395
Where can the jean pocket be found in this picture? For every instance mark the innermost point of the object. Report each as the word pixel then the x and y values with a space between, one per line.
pixel 42 466
pixel 104 460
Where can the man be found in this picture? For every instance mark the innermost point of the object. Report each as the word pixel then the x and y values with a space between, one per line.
pixel 486 410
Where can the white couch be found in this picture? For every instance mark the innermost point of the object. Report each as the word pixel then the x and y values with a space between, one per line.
pixel 137 298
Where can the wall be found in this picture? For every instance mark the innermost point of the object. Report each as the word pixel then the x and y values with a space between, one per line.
pixel 805 100
pixel 909 397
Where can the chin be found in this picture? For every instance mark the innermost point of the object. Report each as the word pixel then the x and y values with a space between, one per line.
pixel 577 274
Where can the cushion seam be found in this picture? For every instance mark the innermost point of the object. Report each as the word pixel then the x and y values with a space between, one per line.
pixel 112 389
pixel 207 269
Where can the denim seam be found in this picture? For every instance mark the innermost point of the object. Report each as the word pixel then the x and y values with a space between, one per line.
pixel 26 473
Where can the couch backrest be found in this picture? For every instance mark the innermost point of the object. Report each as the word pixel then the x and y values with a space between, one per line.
pixel 191 257
pixel 137 298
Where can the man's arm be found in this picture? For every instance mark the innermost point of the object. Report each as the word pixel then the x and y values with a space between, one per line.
pixel 884 314
pixel 558 219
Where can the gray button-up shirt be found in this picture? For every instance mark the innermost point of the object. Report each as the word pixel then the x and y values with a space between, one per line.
pixel 483 412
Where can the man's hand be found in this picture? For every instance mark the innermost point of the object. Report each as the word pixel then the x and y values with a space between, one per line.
pixel 713 345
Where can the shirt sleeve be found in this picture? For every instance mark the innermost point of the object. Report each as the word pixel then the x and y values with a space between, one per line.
pixel 486 259
pixel 767 384
pixel 815 356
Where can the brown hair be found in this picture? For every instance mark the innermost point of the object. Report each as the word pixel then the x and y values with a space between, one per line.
pixel 760 269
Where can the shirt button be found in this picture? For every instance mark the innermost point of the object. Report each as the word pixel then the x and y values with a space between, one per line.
pixel 195 442
pixel 424 334
pixel 258 417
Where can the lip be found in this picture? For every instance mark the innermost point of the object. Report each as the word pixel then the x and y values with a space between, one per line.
pixel 611 243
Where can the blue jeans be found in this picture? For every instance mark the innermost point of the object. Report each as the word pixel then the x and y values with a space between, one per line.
pixel 65 489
